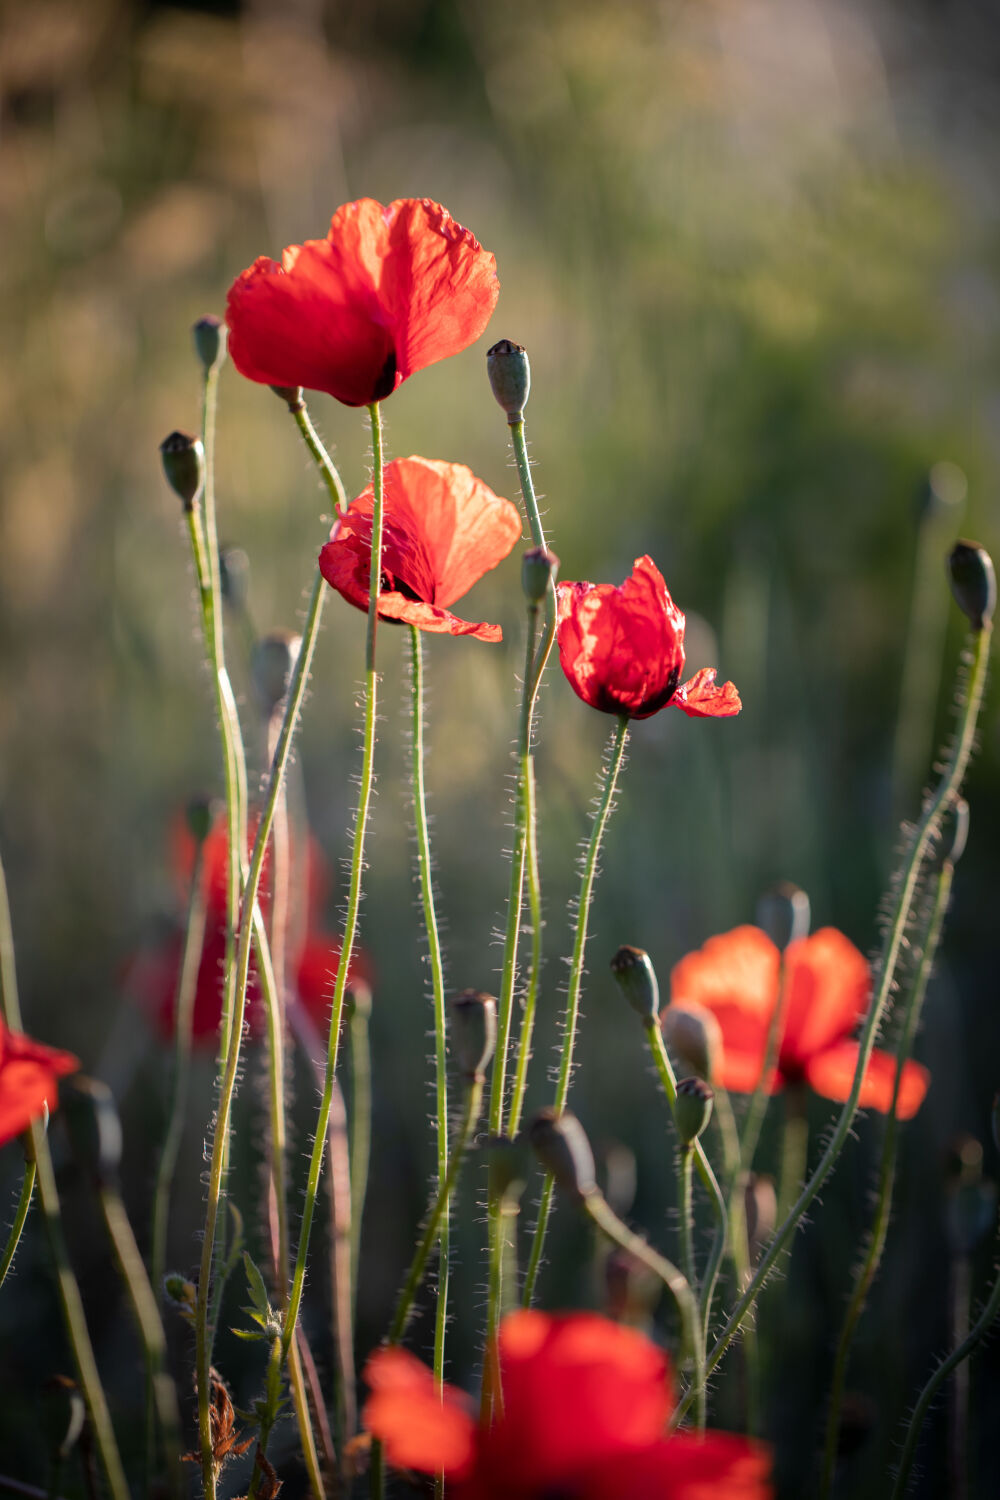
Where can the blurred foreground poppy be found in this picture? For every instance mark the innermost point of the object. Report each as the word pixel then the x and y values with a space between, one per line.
pixel 623 649
pixel 28 1080
pixel 388 292
pixel 827 988
pixel 443 529
pixel 585 1410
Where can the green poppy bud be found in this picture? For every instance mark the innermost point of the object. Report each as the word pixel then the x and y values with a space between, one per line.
pixel 973 582
pixel 210 338
pixel 183 460
pixel 561 1145
pixel 693 1108
pixel 633 969
pixel 538 566
pixel 510 377
pixel 694 1037
pixel 783 913
pixel 271 667
pixel 473 1032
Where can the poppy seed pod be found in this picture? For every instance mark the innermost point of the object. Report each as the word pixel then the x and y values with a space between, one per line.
pixel 510 377
pixel 561 1145
pixel 973 582
pixel 183 460
pixel 210 337
pixel 271 668
pixel 94 1128
pixel 473 1031
pixel 538 567
pixel 633 969
pixel 783 913
pixel 694 1036
pixel 693 1108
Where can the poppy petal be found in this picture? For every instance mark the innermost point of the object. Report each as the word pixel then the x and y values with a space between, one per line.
pixel 683 1467
pixel 828 983
pixel 28 1080
pixel 702 698
pixel 831 1073
pixel 420 1427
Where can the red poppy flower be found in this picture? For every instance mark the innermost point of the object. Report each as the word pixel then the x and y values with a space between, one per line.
pixel 389 291
pixel 623 649
pixel 442 530
pixel 586 1404
pixel 153 973
pixel 28 1074
pixel 827 990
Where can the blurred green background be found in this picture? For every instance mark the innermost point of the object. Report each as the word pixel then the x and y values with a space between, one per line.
pixel 753 250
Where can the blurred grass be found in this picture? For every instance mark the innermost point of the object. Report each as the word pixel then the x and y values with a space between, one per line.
pixel 752 251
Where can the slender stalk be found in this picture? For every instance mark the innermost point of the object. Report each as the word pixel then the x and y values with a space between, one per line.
pixel 596 1207
pixel 978 1330
pixel 20 1217
pixel 361 1124
pixel 324 463
pixel 610 771
pixel 530 870
pixel 354 890
pixel 909 877
pixel 927 944
pixel 10 1004
pixel 437 987
pixel 303 1416
pixel 687 1256
pixel 794 1149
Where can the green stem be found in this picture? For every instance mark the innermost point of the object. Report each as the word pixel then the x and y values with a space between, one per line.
pixel 314 443
pixel 610 771
pixel 600 1212
pixel 927 944
pixel 530 869
pixel 361 1127
pixel 354 890
pixel 437 987
pixel 794 1149
pixel 909 878
pixel 687 1256
pixel 16 1229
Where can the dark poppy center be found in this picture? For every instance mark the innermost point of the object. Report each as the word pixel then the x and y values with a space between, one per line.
pixel 385 381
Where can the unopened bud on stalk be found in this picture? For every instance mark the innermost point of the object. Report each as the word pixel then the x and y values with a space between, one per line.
pixel 358 999
pixel 291 395
pixel 210 338
pixel 94 1128
pixel 510 377
pixel 538 566
pixel 234 576
pixel 200 814
pixel 183 460
pixel 973 582
pixel 954 833
pixel 693 1036
pixel 271 668
pixel 693 1109
pixel 507 1168
pixel 633 969
pixel 783 913
pixel 561 1145
pixel 473 1032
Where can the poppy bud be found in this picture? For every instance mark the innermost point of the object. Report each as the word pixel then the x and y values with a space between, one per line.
pixel 271 667
pixel 507 1167
pixel 291 395
pixel 783 913
pixel 973 582
pixel 94 1128
pixel 538 565
pixel 561 1145
pixel 182 1293
pixel 210 337
pixel 183 460
pixel 473 1031
pixel 200 815
pixel 693 1035
pixel 510 377
pixel 633 969
pixel 234 576
pixel 943 491
pixel 358 999
pixel 693 1108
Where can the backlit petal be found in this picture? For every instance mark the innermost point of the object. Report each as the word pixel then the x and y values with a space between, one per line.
pixel 702 698
pixel 420 1428
pixel 831 1073
pixel 828 984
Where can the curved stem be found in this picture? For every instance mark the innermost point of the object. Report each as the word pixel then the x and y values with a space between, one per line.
pixel 20 1217
pixel 687 1256
pixel 324 463
pixel 906 892
pixel 354 890
pixel 596 1207
pixel 609 773
pixel 927 943
pixel 437 986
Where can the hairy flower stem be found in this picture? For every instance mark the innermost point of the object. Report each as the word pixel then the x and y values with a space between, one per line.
pixel 361 1127
pixel 437 987
pixel 908 882
pixel 530 870
pixel 610 770
pixel 926 944
pixel 354 889
pixel 20 1218
pixel 687 1256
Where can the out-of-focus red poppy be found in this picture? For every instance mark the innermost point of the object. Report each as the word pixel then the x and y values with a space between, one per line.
pixel 623 649
pixel 28 1080
pixel 827 989
pixel 442 530
pixel 153 972
pixel 389 291
pixel 585 1409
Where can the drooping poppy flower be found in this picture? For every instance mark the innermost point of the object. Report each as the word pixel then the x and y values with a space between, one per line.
pixel 28 1080
pixel 153 972
pixel 827 990
pixel 442 530
pixel 388 292
pixel 585 1410
pixel 623 649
